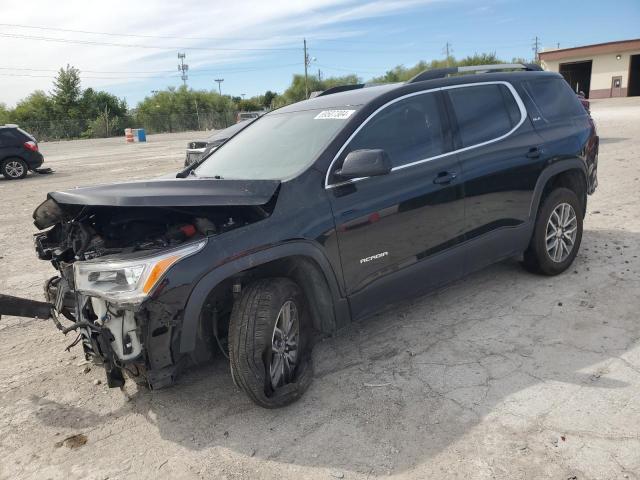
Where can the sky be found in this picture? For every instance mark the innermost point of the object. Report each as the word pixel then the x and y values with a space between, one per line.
pixel 129 48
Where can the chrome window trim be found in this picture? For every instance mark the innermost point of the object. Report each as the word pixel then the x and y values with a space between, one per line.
pixel 514 93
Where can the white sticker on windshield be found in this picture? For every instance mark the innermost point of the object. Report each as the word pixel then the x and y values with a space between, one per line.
pixel 334 115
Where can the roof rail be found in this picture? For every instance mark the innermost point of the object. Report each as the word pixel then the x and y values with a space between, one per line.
pixel 445 72
pixel 340 88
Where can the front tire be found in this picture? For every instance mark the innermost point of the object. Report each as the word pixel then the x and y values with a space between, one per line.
pixel 14 168
pixel 557 234
pixel 269 342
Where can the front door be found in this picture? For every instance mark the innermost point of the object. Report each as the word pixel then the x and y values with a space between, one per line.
pixel 616 86
pixel 390 228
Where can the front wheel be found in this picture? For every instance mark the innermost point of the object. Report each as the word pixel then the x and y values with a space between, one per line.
pixel 269 342
pixel 557 234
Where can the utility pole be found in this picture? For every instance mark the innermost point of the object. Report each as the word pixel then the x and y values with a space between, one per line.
pixel 219 80
pixel 319 75
pixel 558 45
pixel 306 64
pixel 447 52
pixel 536 49
pixel 183 67
pixel 106 120
pixel 197 114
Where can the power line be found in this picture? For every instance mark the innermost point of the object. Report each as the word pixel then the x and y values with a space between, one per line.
pixel 142 77
pixel 199 71
pixel 214 49
pixel 182 37
pixel 131 45
pixel 120 34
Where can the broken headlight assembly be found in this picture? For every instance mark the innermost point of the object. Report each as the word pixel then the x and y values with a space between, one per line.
pixel 128 281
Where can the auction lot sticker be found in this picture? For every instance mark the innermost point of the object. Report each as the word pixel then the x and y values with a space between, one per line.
pixel 334 114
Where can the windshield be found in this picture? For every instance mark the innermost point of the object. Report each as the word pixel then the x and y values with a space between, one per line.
pixel 276 146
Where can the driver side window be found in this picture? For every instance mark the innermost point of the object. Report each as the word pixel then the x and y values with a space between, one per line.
pixel 409 130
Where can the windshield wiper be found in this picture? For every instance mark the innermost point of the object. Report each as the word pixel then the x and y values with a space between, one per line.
pixel 190 170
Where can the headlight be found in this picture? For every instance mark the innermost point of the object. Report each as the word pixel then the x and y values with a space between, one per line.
pixel 128 281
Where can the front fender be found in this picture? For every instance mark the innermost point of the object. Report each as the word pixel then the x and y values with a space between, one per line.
pixel 208 282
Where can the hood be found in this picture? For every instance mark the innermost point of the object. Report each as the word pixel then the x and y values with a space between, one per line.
pixel 187 192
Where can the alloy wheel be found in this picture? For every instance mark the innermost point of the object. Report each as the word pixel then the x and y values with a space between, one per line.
pixel 284 345
pixel 561 232
pixel 14 169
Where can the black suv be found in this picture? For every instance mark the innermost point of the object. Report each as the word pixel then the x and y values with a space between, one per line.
pixel 18 152
pixel 316 214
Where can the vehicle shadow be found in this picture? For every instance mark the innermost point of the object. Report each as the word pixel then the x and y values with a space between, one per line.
pixel 612 140
pixel 400 387
pixel 33 177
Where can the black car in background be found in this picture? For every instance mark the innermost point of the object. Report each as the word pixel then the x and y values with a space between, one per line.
pixel 18 152
pixel 201 148
pixel 322 212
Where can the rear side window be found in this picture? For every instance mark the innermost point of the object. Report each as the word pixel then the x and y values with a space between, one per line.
pixel 9 136
pixel 484 112
pixel 554 98
pixel 27 136
pixel 409 130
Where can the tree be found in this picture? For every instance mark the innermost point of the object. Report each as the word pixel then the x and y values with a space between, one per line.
pixel 296 90
pixel 268 98
pixel 66 87
pixel 480 59
pixel 4 114
pixel 93 104
pixel 184 109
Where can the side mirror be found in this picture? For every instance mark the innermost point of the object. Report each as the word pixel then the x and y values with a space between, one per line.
pixel 365 163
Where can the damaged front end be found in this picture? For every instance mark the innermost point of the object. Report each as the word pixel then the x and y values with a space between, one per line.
pixel 112 262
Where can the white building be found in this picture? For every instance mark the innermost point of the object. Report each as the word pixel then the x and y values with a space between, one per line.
pixel 600 71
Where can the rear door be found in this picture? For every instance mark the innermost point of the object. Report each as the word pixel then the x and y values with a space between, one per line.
pixel 501 157
pixel 390 228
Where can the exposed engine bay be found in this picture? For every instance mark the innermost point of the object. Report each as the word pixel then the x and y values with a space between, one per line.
pixel 109 260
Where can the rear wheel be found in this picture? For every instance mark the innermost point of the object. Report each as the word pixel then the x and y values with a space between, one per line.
pixel 14 168
pixel 268 342
pixel 557 234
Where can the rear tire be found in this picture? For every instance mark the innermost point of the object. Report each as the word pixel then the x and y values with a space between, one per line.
pixel 272 365
pixel 557 234
pixel 14 168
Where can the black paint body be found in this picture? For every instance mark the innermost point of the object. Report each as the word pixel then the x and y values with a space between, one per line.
pixel 433 233
pixel 426 224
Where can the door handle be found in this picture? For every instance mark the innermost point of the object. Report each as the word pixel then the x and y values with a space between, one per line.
pixel 444 178
pixel 534 152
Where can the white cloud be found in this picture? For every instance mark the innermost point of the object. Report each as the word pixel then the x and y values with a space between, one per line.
pixel 239 24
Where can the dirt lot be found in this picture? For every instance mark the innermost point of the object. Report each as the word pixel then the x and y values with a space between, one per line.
pixel 502 375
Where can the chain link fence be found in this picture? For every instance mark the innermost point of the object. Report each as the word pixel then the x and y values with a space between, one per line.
pixel 101 127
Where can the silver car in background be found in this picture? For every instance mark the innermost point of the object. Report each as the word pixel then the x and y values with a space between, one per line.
pixel 200 148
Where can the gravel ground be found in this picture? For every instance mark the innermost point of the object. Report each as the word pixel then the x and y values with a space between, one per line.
pixel 501 375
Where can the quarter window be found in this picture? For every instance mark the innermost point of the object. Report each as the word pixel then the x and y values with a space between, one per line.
pixel 408 130
pixel 484 112
pixel 554 98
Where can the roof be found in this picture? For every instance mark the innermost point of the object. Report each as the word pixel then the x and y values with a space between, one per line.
pixel 362 96
pixel 591 50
